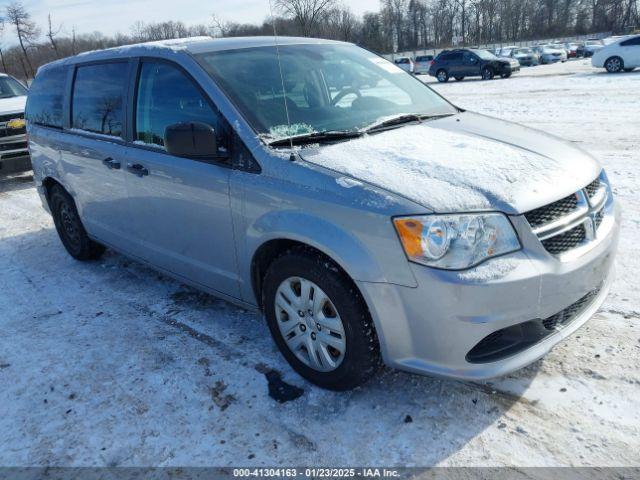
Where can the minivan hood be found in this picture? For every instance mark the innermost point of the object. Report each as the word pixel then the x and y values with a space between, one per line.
pixel 13 104
pixel 466 162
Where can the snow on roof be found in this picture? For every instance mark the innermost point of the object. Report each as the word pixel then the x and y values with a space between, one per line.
pixel 201 44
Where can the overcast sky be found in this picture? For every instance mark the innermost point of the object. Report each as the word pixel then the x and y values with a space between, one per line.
pixel 112 16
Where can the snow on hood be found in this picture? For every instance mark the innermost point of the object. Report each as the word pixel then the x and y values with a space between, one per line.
pixel 464 164
pixel 13 104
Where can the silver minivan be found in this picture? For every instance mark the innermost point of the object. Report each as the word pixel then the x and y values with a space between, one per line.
pixel 367 217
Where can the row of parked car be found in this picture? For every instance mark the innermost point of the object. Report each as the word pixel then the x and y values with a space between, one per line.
pixel 526 56
pixel 616 54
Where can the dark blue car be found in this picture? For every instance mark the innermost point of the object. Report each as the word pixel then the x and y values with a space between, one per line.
pixel 463 63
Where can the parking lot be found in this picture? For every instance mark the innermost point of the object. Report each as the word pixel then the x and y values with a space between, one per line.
pixel 110 363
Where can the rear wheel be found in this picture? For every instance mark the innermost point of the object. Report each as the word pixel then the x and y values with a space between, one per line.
pixel 319 320
pixel 614 65
pixel 442 76
pixel 70 229
pixel 459 79
pixel 487 73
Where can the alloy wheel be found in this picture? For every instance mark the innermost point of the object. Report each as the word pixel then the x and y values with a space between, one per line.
pixel 310 324
pixel 614 65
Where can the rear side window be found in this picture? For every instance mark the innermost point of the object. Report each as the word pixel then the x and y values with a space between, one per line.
pixel 632 42
pixel 167 96
pixel 98 96
pixel 46 95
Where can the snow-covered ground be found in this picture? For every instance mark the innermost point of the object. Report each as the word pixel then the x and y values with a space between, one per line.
pixel 109 363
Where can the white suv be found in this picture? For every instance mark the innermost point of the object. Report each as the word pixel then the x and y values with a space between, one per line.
pixel 623 54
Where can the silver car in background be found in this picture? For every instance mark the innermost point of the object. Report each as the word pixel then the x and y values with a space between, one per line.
pixel 405 63
pixel 551 54
pixel 525 56
pixel 370 222
pixel 422 64
pixel 14 154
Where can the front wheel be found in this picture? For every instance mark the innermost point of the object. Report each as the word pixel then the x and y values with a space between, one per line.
pixel 319 320
pixel 69 226
pixel 442 76
pixel 487 74
pixel 614 65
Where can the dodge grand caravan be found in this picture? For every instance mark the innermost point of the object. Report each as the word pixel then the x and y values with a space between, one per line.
pixel 370 221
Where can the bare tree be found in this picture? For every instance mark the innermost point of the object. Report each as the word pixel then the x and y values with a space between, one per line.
pixel 4 65
pixel 26 30
pixel 306 13
pixel 221 28
pixel 73 41
pixel 51 35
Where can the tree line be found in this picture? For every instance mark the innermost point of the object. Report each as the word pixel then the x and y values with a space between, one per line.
pixel 398 25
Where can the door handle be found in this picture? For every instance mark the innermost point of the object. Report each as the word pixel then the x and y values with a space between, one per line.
pixel 111 164
pixel 137 169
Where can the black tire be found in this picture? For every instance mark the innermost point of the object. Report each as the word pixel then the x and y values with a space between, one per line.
pixel 614 65
pixel 442 76
pixel 487 73
pixel 362 354
pixel 459 79
pixel 70 229
pixel 506 75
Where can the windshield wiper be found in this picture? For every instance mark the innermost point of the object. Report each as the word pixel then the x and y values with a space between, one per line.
pixel 326 136
pixel 402 120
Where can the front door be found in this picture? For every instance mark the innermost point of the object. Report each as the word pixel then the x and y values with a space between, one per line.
pixel 471 64
pixel 180 206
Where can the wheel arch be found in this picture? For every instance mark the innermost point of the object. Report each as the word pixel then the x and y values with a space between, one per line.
pixel 286 230
pixel 47 184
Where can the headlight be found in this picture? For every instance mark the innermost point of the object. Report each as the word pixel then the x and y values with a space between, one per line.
pixel 458 241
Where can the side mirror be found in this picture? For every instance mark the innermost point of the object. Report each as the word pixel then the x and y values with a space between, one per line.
pixel 191 139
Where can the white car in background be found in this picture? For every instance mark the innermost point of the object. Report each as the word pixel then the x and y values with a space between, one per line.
pixel 405 63
pixel 621 55
pixel 551 54
pixel 422 64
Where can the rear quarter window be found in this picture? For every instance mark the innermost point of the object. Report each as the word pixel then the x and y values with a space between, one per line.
pixel 46 96
pixel 98 98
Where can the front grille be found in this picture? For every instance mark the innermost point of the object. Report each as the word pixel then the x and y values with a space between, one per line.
pixel 10 132
pixel 565 316
pixel 593 188
pixel 599 218
pixel 10 116
pixel 12 146
pixel 516 338
pixel 553 211
pixel 565 241
pixel 574 212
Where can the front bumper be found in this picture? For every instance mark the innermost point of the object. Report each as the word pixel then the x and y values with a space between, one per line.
pixel 14 154
pixel 432 328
